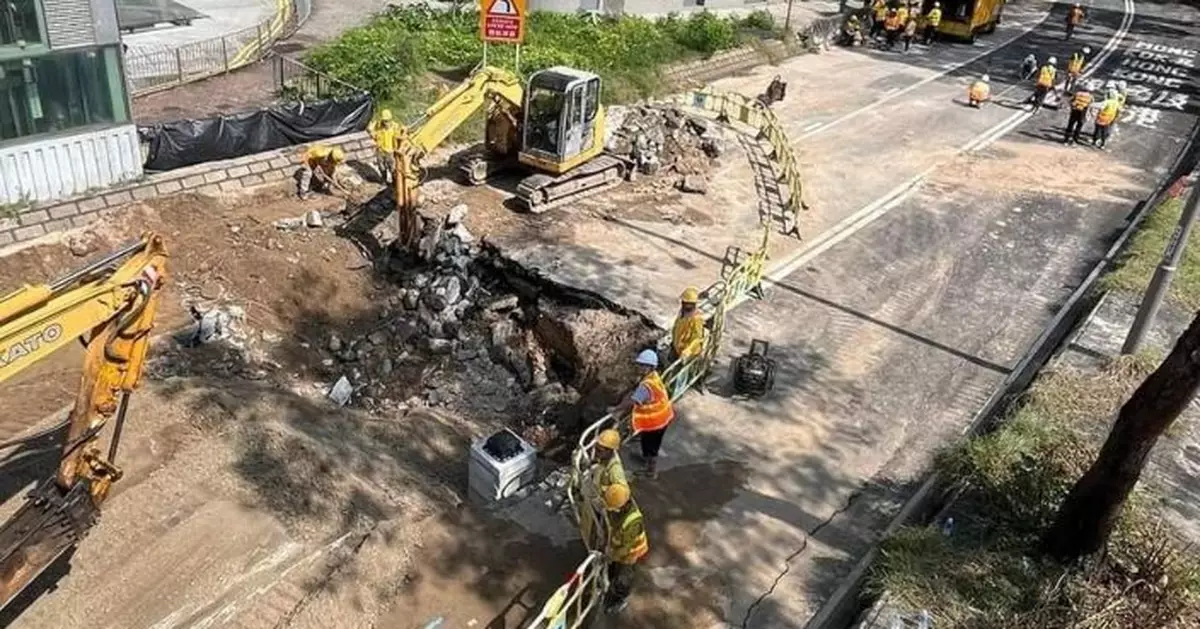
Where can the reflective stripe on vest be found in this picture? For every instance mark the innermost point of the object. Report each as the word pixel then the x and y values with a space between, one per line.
pixel 1108 112
pixel 1046 76
pixel 935 17
pixel 657 413
pixel 1081 100
pixel 628 551
pixel 1075 65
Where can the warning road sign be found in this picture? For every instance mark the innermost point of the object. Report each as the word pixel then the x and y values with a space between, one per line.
pixel 502 21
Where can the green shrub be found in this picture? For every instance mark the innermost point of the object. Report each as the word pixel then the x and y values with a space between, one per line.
pixel 389 55
pixel 759 20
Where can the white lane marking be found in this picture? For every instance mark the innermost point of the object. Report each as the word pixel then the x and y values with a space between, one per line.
pixel 948 69
pixel 868 214
pixel 813 125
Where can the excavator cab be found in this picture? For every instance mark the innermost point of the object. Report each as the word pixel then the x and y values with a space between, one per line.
pixel 564 122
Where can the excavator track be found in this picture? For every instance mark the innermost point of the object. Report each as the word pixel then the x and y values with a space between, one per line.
pixel 477 164
pixel 541 192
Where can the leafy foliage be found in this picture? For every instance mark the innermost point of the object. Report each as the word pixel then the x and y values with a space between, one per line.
pixel 989 574
pixel 391 55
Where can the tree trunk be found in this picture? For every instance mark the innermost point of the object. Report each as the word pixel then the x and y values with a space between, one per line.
pixel 1087 516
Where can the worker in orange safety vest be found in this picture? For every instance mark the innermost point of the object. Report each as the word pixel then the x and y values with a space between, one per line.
pixel 1075 66
pixel 627 545
pixel 652 410
pixel 1081 102
pixel 1045 82
pixel 1074 19
pixel 1107 115
pixel 979 92
pixel 891 26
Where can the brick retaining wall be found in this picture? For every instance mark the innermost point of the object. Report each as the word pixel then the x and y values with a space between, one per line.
pixel 208 178
pixel 253 170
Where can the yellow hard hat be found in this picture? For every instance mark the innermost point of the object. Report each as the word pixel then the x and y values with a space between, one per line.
pixel 337 154
pixel 610 439
pixel 690 295
pixel 385 114
pixel 616 496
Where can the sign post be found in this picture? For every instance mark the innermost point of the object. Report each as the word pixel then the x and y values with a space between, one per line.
pixel 502 22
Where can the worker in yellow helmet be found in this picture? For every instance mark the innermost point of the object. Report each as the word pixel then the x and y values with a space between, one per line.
pixel 384 131
pixel 318 170
pixel 627 544
pixel 932 20
pixel 687 334
pixel 979 92
pixel 609 470
pixel 879 11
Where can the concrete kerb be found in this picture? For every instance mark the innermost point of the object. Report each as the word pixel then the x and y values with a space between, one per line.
pixel 933 496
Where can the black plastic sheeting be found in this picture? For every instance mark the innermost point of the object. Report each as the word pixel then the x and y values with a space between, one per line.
pixel 186 142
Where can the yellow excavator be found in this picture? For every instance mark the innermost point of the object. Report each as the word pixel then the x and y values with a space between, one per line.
pixel 552 126
pixel 110 307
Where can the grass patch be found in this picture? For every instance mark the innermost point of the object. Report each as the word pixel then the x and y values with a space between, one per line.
pixel 1136 267
pixel 989 574
pixel 395 54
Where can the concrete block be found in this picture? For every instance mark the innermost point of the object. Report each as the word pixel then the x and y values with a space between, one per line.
pixel 211 190
pixel 276 175
pixel 91 205
pixel 281 162
pixel 118 198
pixel 233 185
pixel 57 226
pixel 83 220
pixel 251 180
pixel 261 166
pixel 8 224
pixel 66 210
pixel 28 233
pixel 33 218
pixel 167 187
pixel 215 176
pixel 6 238
pixel 195 181
pixel 237 171
pixel 141 193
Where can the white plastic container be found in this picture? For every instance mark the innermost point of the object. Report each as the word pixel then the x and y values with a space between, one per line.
pixel 491 480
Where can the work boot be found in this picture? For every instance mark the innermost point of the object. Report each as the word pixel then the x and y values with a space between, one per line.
pixel 651 469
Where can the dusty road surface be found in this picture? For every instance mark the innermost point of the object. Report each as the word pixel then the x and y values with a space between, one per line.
pixel 941 238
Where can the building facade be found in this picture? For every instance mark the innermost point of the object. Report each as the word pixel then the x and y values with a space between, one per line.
pixel 65 120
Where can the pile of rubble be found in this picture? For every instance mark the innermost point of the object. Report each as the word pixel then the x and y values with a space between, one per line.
pixel 664 140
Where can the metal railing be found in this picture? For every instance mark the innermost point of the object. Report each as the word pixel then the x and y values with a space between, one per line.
pixel 152 71
pixel 298 82
pixel 741 277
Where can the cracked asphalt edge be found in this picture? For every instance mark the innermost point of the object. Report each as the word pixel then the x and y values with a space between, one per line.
pixel 787 563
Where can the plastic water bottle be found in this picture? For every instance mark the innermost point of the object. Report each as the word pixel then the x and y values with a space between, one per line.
pixel 948 527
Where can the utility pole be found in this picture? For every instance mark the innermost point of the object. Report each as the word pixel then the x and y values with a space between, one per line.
pixel 1161 281
pixel 787 18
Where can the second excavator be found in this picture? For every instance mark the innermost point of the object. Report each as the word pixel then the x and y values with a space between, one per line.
pixel 553 126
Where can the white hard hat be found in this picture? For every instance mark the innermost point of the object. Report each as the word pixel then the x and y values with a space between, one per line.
pixel 1087 50
pixel 1110 84
pixel 984 78
pixel 1122 84
pixel 647 357
pixel 1052 60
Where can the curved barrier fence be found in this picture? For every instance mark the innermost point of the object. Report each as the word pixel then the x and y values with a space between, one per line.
pixel 573 604
pixel 162 69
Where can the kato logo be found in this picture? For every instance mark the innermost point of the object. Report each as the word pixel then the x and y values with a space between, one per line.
pixel 15 352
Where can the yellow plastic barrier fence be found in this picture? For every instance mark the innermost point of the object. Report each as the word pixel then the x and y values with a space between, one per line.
pixel 573 603
pixel 741 277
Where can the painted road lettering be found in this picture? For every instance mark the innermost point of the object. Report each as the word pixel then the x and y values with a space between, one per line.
pixel 1154 73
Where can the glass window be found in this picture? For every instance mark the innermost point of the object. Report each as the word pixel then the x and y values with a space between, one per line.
pixel 542 119
pixel 58 92
pixel 19 22
pixel 592 100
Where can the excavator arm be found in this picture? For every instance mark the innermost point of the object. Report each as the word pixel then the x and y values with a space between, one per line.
pixel 110 306
pixel 499 89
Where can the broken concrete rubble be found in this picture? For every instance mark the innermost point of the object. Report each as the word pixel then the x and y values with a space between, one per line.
pixel 663 139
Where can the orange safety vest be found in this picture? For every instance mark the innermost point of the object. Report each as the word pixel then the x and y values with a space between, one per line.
pixel 979 91
pixel 892 23
pixel 1046 76
pixel 1082 100
pixel 657 413
pixel 1075 16
pixel 1108 112
pixel 1075 65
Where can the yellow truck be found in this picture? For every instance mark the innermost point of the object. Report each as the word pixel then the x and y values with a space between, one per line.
pixel 964 19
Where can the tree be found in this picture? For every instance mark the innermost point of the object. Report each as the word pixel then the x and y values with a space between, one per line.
pixel 1087 516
